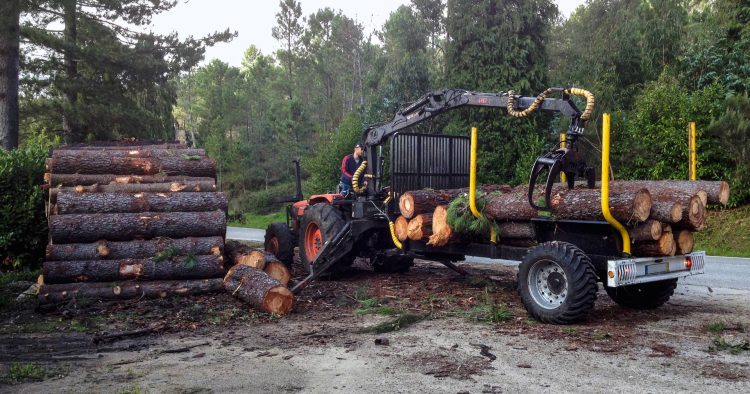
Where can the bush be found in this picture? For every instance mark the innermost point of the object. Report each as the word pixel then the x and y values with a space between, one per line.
pixel 23 225
pixel 732 132
pixel 261 201
pixel 325 164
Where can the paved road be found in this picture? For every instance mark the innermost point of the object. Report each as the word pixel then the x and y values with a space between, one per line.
pixel 721 272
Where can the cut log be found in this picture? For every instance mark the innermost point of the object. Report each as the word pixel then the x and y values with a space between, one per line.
pixel 103 179
pixel 401 228
pixel 258 289
pixel 420 227
pixel 69 203
pixel 239 253
pixel 664 246
pixel 693 215
pixel 717 192
pixel 649 230
pixel 277 270
pixel 666 211
pixel 129 145
pixel 58 293
pixel 79 228
pixel 205 186
pixel 627 206
pixel 685 241
pixel 98 154
pixel 442 233
pixel 104 164
pixel 111 250
pixel 415 202
pixel 516 230
pixel 190 267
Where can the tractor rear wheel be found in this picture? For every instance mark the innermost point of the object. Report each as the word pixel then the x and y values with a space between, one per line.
pixel 643 296
pixel 320 224
pixel 280 241
pixel 557 283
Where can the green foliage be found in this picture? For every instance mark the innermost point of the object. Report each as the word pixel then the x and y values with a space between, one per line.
pixel 23 225
pixel 402 321
pixel 721 344
pixel 252 220
pixel 729 134
pixel 261 201
pixel 325 166
pixel 462 220
pixel 727 233
pixel 24 372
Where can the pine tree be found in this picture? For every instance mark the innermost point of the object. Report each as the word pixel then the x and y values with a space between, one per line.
pixel 10 11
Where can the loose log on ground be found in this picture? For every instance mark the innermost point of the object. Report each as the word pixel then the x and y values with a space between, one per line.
pixel 94 154
pixel 78 228
pixel 664 246
pixel 516 230
pixel 627 206
pixel 113 250
pixel 717 192
pixel 167 187
pixel 401 228
pixel 685 241
pixel 69 203
pixel 278 270
pixel 104 164
pixel 415 202
pixel 649 230
pixel 442 233
pixel 183 267
pixel 103 179
pixel 258 289
pixel 420 227
pixel 239 253
pixel 58 293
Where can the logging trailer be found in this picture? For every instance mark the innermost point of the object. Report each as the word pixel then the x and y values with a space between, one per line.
pixel 558 275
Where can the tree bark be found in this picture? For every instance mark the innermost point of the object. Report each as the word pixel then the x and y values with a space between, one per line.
pixel 666 211
pixel 693 215
pixel 58 293
pixel 516 230
pixel 79 228
pixel 260 290
pixel 70 203
pixel 415 202
pixel 124 145
pixel 191 267
pixel 10 12
pixel 137 249
pixel 401 228
pixel 649 230
pixel 141 152
pixel 277 270
pixel 419 227
pixel 205 186
pixel 103 179
pixel 71 126
pixel 685 241
pixel 239 253
pixel 104 164
pixel 717 192
pixel 664 246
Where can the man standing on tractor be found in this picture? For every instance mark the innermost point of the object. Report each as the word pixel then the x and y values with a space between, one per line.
pixel 349 165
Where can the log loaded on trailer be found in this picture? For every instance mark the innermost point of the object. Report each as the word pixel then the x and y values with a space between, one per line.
pixel 569 238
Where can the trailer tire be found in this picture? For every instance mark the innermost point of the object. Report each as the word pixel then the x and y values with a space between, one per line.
pixel 557 283
pixel 279 240
pixel 643 296
pixel 320 223
pixel 391 265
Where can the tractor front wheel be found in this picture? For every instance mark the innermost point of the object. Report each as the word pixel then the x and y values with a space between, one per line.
pixel 320 224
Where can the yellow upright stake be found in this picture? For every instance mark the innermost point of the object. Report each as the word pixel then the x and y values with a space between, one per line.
pixel 693 152
pixel 563 179
pixel 605 187
pixel 473 183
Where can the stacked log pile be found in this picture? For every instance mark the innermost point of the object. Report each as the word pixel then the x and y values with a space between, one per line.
pixel 131 221
pixel 661 216
pixel 258 278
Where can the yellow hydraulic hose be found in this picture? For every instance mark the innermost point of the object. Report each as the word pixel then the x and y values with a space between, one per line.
pixel 605 187
pixel 589 100
pixel 394 238
pixel 527 111
pixel 355 178
pixel 473 183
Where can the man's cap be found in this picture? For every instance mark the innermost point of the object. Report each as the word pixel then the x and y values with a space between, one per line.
pixel 358 146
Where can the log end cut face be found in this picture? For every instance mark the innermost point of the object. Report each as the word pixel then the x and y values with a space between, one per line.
pixel 279 301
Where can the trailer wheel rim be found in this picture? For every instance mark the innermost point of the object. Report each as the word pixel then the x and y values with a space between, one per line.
pixel 272 246
pixel 313 241
pixel 548 284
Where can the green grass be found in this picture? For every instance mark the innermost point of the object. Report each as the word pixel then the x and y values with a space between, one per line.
pixel 402 321
pixel 17 276
pixel 260 221
pixel 24 372
pixel 721 344
pixel 727 233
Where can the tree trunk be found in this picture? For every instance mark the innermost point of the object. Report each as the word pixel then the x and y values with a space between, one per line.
pixel 239 253
pixel 277 270
pixel 71 125
pixel 666 211
pixel 68 203
pixel 632 205
pixel 442 233
pixel 142 152
pixel 103 179
pixel 103 164
pixel 516 230
pixel 126 290
pixel 137 249
pixel 693 215
pixel 10 12
pixel 123 145
pixel 685 241
pixel 206 186
pixel 401 228
pixel 128 226
pixel 191 267
pixel 649 230
pixel 420 227
pixel 717 192
pixel 664 246
pixel 414 202
pixel 260 290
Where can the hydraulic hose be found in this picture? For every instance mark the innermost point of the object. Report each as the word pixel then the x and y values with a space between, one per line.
pixel 590 101
pixel 355 178
pixel 532 107
pixel 394 238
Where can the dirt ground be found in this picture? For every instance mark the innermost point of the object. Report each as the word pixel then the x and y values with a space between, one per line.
pixel 455 335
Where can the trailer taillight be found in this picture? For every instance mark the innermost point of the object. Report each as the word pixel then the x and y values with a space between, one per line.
pixel 688 262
